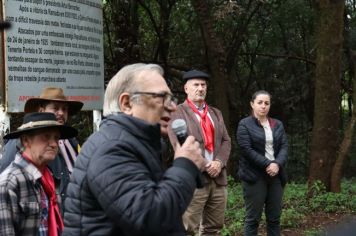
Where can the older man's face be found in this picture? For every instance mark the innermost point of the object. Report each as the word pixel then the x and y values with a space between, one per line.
pixel 41 146
pixel 196 90
pixel 153 108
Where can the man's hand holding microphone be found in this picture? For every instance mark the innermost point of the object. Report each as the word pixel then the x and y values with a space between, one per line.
pixel 187 146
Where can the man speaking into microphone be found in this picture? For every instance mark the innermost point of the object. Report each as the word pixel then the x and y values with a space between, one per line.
pixel 206 211
pixel 118 186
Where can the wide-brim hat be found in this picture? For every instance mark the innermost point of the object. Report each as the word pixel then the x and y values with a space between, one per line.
pixel 42 120
pixel 195 74
pixel 52 95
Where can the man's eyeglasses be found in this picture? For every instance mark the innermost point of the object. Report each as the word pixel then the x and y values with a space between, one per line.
pixel 167 97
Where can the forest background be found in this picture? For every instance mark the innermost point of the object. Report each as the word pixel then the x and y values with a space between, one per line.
pixel 302 51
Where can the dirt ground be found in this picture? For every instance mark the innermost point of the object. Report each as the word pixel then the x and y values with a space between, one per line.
pixel 316 224
pixel 319 223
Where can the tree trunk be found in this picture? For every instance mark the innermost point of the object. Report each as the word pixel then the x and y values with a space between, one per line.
pixel 329 39
pixel 216 59
pixel 336 174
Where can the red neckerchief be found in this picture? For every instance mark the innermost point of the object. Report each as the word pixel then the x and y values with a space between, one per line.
pixel 206 125
pixel 55 221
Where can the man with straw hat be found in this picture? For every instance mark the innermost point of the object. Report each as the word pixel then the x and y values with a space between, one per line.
pixel 51 100
pixel 28 201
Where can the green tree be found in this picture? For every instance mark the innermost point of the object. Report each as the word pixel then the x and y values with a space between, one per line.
pixel 324 146
pixel 246 46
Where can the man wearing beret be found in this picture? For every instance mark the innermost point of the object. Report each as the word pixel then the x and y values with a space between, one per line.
pixel 206 210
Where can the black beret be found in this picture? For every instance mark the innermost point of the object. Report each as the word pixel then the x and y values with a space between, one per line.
pixel 195 74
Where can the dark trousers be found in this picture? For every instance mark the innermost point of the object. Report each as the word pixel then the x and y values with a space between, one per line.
pixel 266 192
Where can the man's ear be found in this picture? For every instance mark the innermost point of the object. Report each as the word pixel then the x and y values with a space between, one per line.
pixel 23 141
pixel 185 87
pixel 125 104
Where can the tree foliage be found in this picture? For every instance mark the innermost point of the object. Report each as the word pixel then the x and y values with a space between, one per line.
pixel 246 45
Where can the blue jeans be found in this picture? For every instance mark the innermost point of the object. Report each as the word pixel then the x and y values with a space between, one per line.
pixel 266 193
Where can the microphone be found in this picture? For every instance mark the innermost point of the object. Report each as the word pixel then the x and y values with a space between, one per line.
pixel 179 127
pixel 4 25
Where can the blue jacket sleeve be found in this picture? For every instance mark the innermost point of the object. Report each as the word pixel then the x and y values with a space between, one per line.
pixel 10 150
pixel 282 155
pixel 130 196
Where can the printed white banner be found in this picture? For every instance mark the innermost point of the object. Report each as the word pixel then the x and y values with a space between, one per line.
pixel 57 43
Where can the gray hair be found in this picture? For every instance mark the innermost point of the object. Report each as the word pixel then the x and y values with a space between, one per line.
pixel 126 80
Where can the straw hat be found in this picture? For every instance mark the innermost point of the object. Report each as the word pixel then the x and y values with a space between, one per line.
pixel 42 120
pixel 52 95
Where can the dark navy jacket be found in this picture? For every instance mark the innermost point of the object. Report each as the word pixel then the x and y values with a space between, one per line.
pixel 118 186
pixel 251 140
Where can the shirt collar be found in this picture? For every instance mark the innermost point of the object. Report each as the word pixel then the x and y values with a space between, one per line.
pixel 200 108
pixel 32 170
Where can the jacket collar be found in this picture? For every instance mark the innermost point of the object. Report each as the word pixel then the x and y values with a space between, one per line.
pixel 192 114
pixel 147 132
pixel 33 173
pixel 272 122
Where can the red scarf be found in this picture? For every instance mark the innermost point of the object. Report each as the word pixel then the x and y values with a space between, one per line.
pixel 206 126
pixel 55 221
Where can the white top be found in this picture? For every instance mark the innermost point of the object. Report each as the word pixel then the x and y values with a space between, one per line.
pixel 269 152
pixel 208 155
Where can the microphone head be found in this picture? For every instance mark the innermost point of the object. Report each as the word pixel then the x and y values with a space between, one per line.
pixel 4 25
pixel 179 126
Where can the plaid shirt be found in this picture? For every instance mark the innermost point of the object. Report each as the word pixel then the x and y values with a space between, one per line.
pixel 20 199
